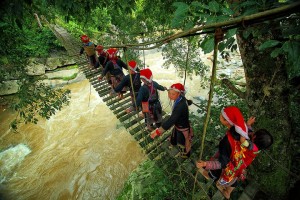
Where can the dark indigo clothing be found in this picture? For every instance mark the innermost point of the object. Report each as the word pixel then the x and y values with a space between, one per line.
pixel 102 59
pixel 180 119
pixel 155 110
pixel 144 92
pixel 114 70
pixel 126 83
pixel 179 116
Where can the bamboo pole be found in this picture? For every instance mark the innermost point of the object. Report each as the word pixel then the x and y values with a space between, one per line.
pixel 210 96
pixel 186 61
pixel 211 90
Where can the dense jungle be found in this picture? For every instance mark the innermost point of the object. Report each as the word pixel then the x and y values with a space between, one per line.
pixel 268 47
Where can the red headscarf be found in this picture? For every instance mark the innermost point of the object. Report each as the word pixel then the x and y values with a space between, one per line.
pixel 85 38
pixel 178 87
pixel 235 118
pixel 146 74
pixel 132 65
pixel 112 52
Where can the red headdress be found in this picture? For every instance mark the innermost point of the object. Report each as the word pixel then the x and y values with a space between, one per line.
pixel 112 52
pixel 178 87
pixel 235 118
pixel 85 38
pixel 132 65
pixel 146 74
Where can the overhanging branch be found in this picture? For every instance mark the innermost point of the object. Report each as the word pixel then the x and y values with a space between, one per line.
pixel 261 16
pixel 232 87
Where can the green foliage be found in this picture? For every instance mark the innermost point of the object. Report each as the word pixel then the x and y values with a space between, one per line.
pixel 35 100
pixel 213 6
pixel 147 182
pixel 196 14
pixel 268 44
pixel 22 38
pixel 38 43
pixel 70 77
pixel 175 54
pixel 292 50
pixel 207 44
pixel 11 54
pixel 180 14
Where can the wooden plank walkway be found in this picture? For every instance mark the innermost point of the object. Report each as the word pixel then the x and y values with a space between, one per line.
pixel 177 169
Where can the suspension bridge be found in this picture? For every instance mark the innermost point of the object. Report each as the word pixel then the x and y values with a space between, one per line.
pixel 176 168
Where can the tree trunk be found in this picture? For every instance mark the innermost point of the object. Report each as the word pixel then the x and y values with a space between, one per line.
pixel 268 99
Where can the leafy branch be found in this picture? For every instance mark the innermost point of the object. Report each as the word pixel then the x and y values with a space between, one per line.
pixel 36 100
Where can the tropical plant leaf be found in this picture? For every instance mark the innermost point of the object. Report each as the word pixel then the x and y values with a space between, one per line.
pixel 227 11
pixel 180 14
pixel 229 42
pixel 222 46
pixel 198 4
pixel 268 44
pixel 207 44
pixel 276 52
pixel 214 6
pixel 180 7
pixel 230 33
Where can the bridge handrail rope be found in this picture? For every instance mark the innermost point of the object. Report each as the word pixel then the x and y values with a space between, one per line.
pixel 185 74
pixel 144 64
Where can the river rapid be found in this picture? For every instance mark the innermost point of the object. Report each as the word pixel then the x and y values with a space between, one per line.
pixel 82 152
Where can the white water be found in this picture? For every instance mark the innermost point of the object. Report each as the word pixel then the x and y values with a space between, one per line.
pixel 80 153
